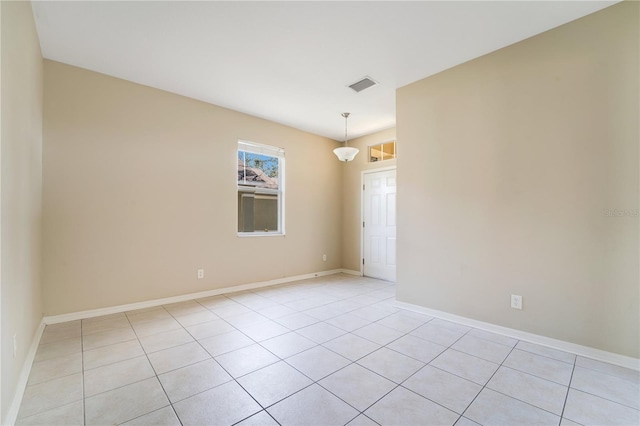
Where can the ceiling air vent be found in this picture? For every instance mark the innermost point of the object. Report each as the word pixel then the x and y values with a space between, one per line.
pixel 365 83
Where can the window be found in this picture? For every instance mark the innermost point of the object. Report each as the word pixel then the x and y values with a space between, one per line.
pixel 260 189
pixel 383 151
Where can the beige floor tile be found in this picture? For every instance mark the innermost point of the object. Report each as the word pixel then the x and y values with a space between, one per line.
pixel 196 318
pixel 210 329
pixel 378 333
pixel 62 331
pixel 225 342
pixel 548 352
pixel 610 369
pixel 391 364
pixel 125 403
pixel 417 348
pixel 58 348
pixel 261 419
pixel 482 348
pixel 320 332
pixel 188 381
pixel 493 337
pixel 177 357
pixel 116 375
pixel 245 360
pixel 149 328
pixel 107 338
pixel 441 335
pixel 318 362
pixel 264 330
pixel 105 325
pixel 492 408
pixel 533 390
pixel 225 404
pixel 184 308
pixel 402 407
pixel 68 415
pixel 446 389
pixel 312 406
pixel 297 321
pixel 273 383
pixel 357 386
pixel 287 345
pixel 276 311
pixel 146 315
pixel 541 366
pixel 351 346
pixel 466 366
pixel 51 394
pixel 168 339
pixel 348 322
pixel 362 420
pixel 587 409
pixel 54 368
pixel 608 387
pixel 106 355
pixel 402 322
pixel 103 318
pixel 162 417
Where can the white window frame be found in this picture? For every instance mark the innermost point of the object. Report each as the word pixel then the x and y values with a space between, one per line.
pixel 271 151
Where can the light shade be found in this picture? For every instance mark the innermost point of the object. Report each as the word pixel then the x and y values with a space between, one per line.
pixel 346 153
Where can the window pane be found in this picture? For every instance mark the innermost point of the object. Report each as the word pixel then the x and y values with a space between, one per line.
pixel 375 153
pixel 257 212
pixel 385 151
pixel 257 170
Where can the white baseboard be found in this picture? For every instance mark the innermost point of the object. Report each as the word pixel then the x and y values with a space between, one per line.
pixel 54 319
pixel 585 351
pixel 351 272
pixel 12 415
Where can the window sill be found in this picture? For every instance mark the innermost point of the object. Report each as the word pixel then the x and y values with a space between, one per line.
pixel 260 234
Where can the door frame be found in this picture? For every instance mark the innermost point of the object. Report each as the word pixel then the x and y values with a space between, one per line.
pixel 362 175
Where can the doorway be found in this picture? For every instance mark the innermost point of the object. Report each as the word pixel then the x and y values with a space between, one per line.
pixel 379 224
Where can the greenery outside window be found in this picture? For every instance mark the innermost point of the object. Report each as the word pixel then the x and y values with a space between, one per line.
pixel 383 151
pixel 260 189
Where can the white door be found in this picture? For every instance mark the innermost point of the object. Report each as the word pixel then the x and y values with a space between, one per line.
pixel 379 225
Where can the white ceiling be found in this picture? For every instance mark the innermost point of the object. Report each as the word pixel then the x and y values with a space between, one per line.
pixel 290 62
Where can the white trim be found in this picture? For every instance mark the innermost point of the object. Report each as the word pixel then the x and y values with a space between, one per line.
pixel 585 351
pixel 351 272
pixel 12 415
pixel 54 319
pixel 366 172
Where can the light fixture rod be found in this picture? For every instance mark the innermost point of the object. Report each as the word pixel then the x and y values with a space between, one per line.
pixel 346 116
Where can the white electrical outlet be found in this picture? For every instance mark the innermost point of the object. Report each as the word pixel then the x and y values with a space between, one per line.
pixel 324 257
pixel 15 345
pixel 516 301
pixel 200 274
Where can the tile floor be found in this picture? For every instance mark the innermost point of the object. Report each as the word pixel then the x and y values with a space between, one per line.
pixel 328 351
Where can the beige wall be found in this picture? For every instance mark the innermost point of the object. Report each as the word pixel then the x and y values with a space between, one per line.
pixel 351 195
pixel 21 88
pixel 140 192
pixel 507 166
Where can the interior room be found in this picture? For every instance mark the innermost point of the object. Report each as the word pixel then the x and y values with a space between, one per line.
pixel 476 262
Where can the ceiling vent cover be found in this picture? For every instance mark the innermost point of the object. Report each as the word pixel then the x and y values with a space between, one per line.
pixel 365 83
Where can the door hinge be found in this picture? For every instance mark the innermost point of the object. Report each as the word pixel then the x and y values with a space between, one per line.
pixel 363 223
pixel 363 260
pixel 363 186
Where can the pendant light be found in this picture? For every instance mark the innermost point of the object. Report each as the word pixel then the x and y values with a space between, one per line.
pixel 346 153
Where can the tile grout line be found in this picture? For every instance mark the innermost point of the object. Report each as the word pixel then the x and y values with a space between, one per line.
pixel 154 371
pixel 84 400
pixel 566 397
pixel 484 386
pixel 222 367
